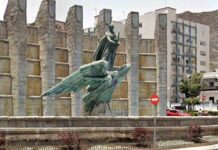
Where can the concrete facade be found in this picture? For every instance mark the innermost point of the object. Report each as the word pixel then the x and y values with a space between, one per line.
pixel 74 28
pixel 51 53
pixel 162 53
pixel 132 48
pixel 45 21
pixel 16 29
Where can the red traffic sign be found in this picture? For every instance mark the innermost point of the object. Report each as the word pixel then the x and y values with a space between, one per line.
pixel 154 99
pixel 203 97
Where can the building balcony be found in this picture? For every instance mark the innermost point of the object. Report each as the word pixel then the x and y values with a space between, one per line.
pixel 207 88
pixel 177 63
pixel 189 54
pixel 177 52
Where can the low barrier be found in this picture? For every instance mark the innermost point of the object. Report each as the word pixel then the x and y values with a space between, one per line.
pixel 55 122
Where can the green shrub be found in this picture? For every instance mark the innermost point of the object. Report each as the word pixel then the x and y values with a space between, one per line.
pixel 193 113
pixel 213 113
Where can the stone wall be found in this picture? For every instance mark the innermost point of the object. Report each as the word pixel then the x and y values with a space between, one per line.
pixel 102 121
pixel 51 56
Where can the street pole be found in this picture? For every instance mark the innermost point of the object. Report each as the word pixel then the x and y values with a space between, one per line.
pixel 155 122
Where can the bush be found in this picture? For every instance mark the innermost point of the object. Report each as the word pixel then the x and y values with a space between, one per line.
pixel 195 133
pixel 213 113
pixel 193 113
pixel 70 140
pixel 142 137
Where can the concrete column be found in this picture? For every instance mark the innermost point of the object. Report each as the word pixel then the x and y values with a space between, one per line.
pixel 15 16
pixel 132 48
pixel 161 49
pixel 74 28
pixel 103 22
pixel 45 22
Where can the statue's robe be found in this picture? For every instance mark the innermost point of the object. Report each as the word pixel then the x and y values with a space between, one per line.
pixel 106 50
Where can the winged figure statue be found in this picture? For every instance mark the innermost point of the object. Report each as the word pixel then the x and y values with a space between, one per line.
pixel 100 83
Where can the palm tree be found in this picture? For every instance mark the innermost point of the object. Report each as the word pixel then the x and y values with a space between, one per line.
pixel 185 87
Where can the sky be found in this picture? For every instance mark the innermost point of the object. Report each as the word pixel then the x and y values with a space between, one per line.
pixel 120 8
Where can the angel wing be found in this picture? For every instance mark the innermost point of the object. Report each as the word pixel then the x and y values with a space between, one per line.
pixel 90 74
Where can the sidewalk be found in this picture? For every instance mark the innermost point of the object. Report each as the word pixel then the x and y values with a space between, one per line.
pixel 210 147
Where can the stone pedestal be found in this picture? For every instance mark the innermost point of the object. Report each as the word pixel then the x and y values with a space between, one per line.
pixel 74 28
pixel 15 16
pixel 132 48
pixel 45 22
pixel 161 49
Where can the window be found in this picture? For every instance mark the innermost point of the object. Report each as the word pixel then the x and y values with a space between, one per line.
pixel 202 43
pixel 193 31
pixel 178 59
pixel 202 53
pixel 186 30
pixel 202 63
pixel 211 99
pixel 187 61
pixel 211 84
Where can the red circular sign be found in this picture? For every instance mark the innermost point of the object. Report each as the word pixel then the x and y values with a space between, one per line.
pixel 203 97
pixel 155 99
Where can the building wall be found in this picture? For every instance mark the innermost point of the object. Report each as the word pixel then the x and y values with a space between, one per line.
pixel 119 28
pixel 147 21
pixel 203 47
pixel 210 87
pixel 34 103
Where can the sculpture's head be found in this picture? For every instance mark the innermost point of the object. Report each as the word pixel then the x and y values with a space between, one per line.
pixel 111 27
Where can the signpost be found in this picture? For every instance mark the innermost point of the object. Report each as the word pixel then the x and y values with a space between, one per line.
pixel 155 100
pixel 203 99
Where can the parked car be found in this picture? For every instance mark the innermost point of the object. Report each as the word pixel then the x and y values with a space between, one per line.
pixel 174 112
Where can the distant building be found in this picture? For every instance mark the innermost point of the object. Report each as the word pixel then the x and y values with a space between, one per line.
pixel 60 25
pixel 210 87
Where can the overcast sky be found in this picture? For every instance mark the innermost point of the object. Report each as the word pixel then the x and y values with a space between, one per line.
pixel 120 8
